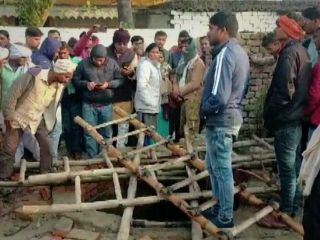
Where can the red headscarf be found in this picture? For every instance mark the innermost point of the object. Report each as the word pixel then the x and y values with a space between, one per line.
pixel 290 27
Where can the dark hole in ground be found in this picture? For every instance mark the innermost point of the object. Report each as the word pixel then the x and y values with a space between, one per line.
pixel 162 211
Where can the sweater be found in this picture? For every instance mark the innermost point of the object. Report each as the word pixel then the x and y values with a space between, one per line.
pixel 31 98
pixel 147 97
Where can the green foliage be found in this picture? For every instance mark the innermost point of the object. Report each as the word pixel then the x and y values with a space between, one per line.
pixel 33 12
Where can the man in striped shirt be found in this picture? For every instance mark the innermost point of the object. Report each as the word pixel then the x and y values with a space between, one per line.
pixel 224 88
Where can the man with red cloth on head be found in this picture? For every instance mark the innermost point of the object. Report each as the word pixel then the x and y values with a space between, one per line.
pixel 284 108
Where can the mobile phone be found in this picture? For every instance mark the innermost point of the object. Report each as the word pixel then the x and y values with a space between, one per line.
pixel 101 28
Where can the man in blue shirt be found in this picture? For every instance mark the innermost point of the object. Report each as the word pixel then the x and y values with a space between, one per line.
pixel 223 91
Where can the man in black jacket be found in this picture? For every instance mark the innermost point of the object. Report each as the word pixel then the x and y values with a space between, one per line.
pixel 284 107
pixel 95 78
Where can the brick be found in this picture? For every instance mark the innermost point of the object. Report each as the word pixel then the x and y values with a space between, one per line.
pixel 62 227
pixel 80 234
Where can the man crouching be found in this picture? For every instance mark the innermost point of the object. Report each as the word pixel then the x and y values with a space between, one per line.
pixel 31 103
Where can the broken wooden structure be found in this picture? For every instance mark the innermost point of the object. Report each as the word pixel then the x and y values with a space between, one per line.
pixel 180 164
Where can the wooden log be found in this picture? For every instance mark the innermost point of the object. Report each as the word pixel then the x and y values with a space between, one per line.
pixel 253 157
pixel 23 169
pixel 120 120
pixel 256 217
pixel 116 183
pixel 124 230
pixel 78 190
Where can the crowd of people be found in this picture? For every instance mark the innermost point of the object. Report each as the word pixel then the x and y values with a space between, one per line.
pixel 199 83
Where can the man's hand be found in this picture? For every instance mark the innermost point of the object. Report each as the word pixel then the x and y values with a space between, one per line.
pixel 127 71
pixel 8 125
pixel 102 86
pixel 91 85
pixel 93 29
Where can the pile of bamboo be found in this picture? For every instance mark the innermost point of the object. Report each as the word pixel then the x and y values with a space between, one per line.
pixel 182 171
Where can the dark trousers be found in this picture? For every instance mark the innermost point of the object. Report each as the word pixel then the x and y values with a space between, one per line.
pixel 311 214
pixel 12 140
pixel 174 122
pixel 72 132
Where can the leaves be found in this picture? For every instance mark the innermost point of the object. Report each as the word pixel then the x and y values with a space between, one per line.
pixel 33 12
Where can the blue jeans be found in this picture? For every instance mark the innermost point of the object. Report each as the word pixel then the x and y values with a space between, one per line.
pixel 218 163
pixel 94 115
pixel 286 145
pixel 54 135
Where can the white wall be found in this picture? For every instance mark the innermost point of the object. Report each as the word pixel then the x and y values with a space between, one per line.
pixel 194 22
pixel 197 22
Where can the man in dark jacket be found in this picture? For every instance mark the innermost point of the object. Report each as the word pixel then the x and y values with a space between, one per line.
pixel 127 61
pixel 95 78
pixel 284 108
pixel 220 107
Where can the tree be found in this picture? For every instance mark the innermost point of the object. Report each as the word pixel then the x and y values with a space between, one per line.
pixel 33 12
pixel 125 16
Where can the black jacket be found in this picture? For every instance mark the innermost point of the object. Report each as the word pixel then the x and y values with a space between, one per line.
pixel 287 95
pixel 125 92
pixel 86 71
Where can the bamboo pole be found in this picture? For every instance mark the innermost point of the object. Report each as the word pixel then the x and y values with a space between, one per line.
pixel 66 164
pixel 147 223
pixel 197 163
pixel 263 142
pixel 78 190
pixel 124 229
pixel 253 200
pixel 158 187
pixel 126 135
pixel 116 183
pixel 208 204
pixel 120 120
pixel 23 169
pixel 144 149
pixel 108 204
pixel 255 218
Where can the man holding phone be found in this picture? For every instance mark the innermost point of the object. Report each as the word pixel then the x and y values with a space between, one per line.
pixel 96 78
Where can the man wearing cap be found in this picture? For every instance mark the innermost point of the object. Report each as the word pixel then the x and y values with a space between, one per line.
pixel 31 105
pixel 18 64
pixel 284 108
pixel 127 61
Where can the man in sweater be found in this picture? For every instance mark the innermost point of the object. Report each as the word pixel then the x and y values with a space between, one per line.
pixel 284 108
pixel 31 104
pixel 221 109
pixel 95 78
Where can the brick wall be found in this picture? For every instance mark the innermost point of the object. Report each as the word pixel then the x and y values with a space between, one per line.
pixel 261 69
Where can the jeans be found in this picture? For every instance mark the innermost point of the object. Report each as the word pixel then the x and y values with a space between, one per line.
pixel 96 114
pixel 286 145
pixel 218 163
pixel 54 135
pixel 72 132
pixel 149 119
pixel 123 129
